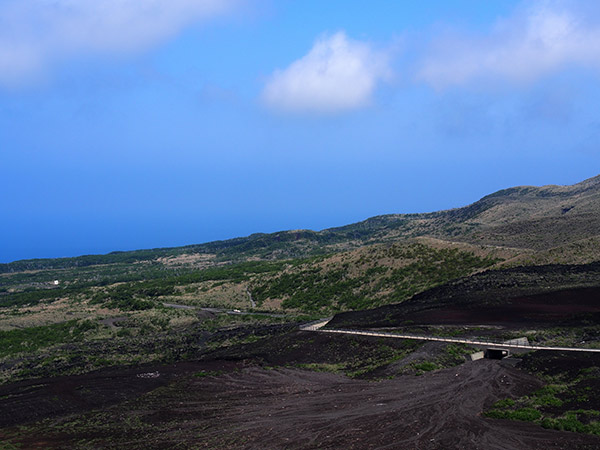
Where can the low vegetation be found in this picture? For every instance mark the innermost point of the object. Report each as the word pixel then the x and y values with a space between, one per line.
pixel 365 279
pixel 29 340
pixel 568 402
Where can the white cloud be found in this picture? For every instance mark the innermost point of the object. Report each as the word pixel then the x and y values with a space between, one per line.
pixel 36 33
pixel 337 74
pixel 532 43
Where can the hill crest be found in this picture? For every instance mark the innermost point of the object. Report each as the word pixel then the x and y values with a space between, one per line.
pixel 527 217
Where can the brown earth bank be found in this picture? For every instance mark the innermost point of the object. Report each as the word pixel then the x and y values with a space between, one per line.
pixel 562 308
pixel 552 295
pixel 251 397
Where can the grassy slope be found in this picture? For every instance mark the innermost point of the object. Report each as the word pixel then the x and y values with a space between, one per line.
pixel 365 278
pixel 506 291
pixel 381 260
pixel 55 330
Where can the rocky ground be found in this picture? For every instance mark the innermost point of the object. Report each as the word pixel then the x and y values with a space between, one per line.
pixel 223 384
pixel 254 396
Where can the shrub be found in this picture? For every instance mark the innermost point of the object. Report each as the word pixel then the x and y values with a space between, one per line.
pixel 33 338
pixel 525 414
pixel 426 366
pixel 505 403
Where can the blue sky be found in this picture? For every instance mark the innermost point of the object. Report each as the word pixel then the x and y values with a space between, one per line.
pixel 130 124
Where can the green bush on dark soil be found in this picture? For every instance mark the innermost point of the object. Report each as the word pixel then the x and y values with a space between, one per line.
pixel 208 373
pixel 313 288
pixel 426 366
pixel 522 414
pixel 34 338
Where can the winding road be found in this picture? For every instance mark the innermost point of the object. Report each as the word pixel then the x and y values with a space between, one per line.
pixel 516 344
pixel 222 310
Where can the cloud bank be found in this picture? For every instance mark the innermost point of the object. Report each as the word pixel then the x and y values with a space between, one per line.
pixel 534 42
pixel 36 33
pixel 337 74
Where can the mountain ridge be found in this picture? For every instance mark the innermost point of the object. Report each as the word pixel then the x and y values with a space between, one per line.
pixel 491 220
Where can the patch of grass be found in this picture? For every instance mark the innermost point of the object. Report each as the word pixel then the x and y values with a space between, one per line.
pixel 322 367
pixel 356 362
pixel 522 414
pixel 504 403
pixel 208 373
pixel 547 400
pixel 570 422
pixel 31 339
pixel 425 366
pixel 541 406
pixel 4 445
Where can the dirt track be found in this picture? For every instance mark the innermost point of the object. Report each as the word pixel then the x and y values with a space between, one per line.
pixel 253 396
pixel 256 408
pixel 435 411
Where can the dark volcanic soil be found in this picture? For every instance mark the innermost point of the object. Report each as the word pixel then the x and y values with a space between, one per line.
pixel 229 401
pixel 440 410
pixel 509 298
pixel 553 308
pixel 28 401
pixel 289 408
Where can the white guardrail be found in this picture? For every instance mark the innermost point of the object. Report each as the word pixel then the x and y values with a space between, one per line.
pixel 515 343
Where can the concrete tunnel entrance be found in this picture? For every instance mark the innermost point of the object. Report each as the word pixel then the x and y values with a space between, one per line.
pixel 496 353
pixel 492 353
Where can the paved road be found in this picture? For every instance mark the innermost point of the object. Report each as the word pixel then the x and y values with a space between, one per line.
pixel 318 326
pixel 173 305
pixel 223 310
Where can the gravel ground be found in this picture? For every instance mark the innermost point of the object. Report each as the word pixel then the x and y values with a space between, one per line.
pixel 230 404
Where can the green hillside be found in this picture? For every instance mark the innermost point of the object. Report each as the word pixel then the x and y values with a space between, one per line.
pixel 163 300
